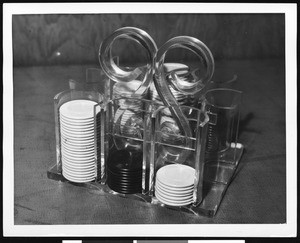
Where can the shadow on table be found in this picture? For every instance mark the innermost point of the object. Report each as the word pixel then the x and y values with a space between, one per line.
pixel 243 124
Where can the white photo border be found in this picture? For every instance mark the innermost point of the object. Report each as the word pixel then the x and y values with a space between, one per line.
pixel 158 230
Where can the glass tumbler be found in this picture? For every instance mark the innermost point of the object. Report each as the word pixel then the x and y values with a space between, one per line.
pixel 127 139
pixel 172 148
pixel 223 106
pixel 77 140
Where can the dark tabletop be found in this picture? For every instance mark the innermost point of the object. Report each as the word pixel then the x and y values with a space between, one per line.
pixel 256 195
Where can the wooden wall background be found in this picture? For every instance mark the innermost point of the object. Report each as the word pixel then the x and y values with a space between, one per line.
pixel 75 38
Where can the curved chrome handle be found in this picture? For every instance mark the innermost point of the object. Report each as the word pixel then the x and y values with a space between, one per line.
pixel 162 86
pixel 144 73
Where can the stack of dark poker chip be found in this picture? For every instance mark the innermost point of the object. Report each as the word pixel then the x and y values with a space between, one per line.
pixel 124 171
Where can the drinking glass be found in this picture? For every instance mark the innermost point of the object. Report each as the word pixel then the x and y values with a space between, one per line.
pixel 88 90
pixel 170 146
pixel 127 125
pixel 223 107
